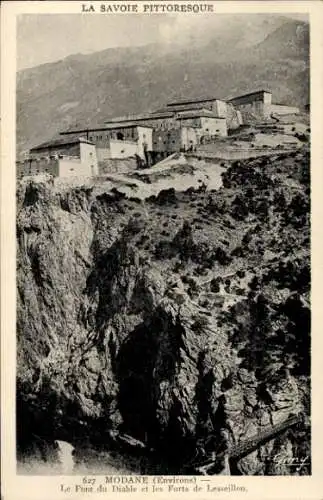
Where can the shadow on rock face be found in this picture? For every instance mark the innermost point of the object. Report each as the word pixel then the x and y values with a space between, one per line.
pixel 147 362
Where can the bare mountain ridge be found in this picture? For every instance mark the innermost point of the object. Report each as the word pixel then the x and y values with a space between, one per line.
pixel 87 89
pixel 242 31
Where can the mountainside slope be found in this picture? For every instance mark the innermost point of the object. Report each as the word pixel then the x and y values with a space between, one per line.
pixel 83 90
pixel 176 320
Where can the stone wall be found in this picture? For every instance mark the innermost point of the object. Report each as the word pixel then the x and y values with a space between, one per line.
pixel 63 166
pixel 117 166
pixel 35 166
pixel 102 137
pixel 103 153
pixel 145 135
pixel 214 126
pixel 74 168
pixel 220 108
pixel 59 150
pixel 167 140
pixel 189 138
pixel 257 104
pixel 281 109
pixel 123 149
pixel 234 118
pixel 88 156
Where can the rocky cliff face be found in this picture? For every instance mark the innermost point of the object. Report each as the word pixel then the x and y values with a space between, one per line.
pixel 175 320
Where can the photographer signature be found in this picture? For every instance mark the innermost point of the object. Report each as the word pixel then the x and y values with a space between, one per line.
pixel 293 462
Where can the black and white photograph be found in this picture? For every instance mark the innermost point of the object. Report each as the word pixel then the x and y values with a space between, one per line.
pixel 163 244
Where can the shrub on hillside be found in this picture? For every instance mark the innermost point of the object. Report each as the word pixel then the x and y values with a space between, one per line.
pixel 183 241
pixel 239 209
pixel 166 197
pixel 298 211
pixel 238 252
pixel 279 201
pixel 134 226
pixel 200 323
pixel 215 285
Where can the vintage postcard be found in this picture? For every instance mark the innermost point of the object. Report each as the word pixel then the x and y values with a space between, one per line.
pixel 160 249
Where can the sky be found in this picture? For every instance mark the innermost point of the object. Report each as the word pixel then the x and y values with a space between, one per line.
pixel 43 38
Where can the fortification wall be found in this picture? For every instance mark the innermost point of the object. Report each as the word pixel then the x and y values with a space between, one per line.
pixel 67 166
pixel 220 108
pixel 72 168
pixel 189 138
pixel 280 109
pixel 35 166
pixel 61 149
pixel 214 126
pixel 103 153
pixel 122 149
pixel 145 136
pixel 117 166
pixel 234 118
pixel 167 140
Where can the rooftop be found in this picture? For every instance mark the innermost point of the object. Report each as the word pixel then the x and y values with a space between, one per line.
pixel 106 126
pixel 193 100
pixel 198 113
pixel 161 113
pixel 130 124
pixel 140 117
pixel 64 141
pixel 284 104
pixel 249 94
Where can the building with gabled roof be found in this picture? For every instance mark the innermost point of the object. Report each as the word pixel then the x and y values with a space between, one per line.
pixel 60 145
pixel 258 104
pixel 118 140
pixel 61 157
pixel 217 106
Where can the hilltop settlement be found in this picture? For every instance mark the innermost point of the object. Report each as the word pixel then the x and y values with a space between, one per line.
pixel 243 127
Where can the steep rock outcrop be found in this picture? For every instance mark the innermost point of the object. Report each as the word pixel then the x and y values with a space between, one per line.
pixel 114 338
